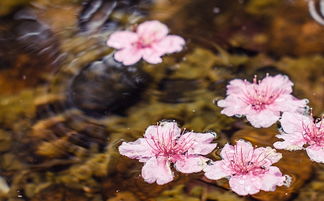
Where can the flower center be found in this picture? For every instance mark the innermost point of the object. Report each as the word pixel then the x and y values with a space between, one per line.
pixel 314 134
pixel 249 163
pixel 145 42
pixel 142 44
pixel 165 144
pixel 260 96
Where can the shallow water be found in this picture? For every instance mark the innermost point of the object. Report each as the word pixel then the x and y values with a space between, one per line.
pixel 66 105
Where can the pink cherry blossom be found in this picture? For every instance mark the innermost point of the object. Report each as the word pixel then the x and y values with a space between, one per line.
pixel 302 132
pixel 261 101
pixel 248 169
pixel 165 144
pixel 150 42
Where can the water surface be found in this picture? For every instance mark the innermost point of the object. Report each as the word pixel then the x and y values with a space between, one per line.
pixel 66 105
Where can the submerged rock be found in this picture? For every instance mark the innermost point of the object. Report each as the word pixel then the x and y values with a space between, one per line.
pixel 105 87
pixel 58 141
pixel 29 50
pixel 178 90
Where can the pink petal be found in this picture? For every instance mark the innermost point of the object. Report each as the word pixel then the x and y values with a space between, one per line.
pixel 245 150
pixel 293 122
pixel 272 179
pixel 152 56
pixel 245 184
pixel 191 164
pixel 242 147
pixel 157 170
pixel 238 87
pixel 164 129
pixel 234 103
pixel 268 155
pixel 170 44
pixel 138 149
pixel 152 30
pixel 227 152
pixel 288 103
pixel 217 170
pixel 122 39
pixel 128 56
pixel 232 106
pixel 200 142
pixel 281 82
pixel 316 153
pixel 264 118
pixel 291 141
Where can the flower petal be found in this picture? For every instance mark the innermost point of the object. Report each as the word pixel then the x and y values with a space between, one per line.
pixel 294 122
pixel 157 170
pixel 264 118
pixel 272 179
pixel 292 141
pixel 122 39
pixel 128 56
pixel 138 149
pixel 152 56
pixel 200 142
pixel 234 103
pixel 217 170
pixel 316 153
pixel 170 44
pixel 238 87
pixel 280 82
pixel 267 155
pixel 152 30
pixel 191 164
pixel 233 106
pixel 163 130
pixel 227 152
pixel 244 148
pixel 288 103
pixel 245 184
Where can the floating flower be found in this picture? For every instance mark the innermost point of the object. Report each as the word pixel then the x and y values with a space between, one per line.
pixel 261 101
pixel 150 42
pixel 164 145
pixel 302 131
pixel 249 169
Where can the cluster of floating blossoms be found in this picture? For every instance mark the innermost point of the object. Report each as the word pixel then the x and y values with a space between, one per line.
pixel 150 42
pixel 263 101
pixel 249 169
pixel 165 144
pixel 302 132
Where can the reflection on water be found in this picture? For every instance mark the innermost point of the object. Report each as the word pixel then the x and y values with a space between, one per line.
pixel 66 105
